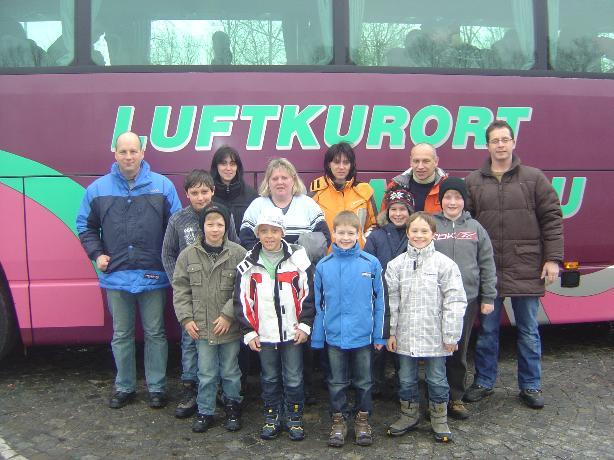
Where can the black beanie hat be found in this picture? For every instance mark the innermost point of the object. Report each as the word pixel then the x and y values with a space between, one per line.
pixel 211 208
pixel 453 183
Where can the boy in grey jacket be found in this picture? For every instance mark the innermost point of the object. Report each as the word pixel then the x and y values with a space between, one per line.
pixel 427 302
pixel 203 288
pixel 464 240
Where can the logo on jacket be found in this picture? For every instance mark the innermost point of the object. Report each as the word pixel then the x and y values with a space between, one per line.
pixel 151 276
pixel 189 234
pixel 456 236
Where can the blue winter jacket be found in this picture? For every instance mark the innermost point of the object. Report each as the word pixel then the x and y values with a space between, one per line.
pixel 128 225
pixel 349 299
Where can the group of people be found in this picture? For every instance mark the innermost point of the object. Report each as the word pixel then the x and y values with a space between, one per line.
pixel 282 272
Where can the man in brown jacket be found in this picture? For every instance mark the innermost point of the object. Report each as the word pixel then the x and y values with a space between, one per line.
pixel 521 212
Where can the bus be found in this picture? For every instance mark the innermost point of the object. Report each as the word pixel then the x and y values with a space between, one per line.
pixel 288 78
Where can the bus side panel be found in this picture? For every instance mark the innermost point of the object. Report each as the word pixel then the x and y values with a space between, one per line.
pixel 64 286
pixel 13 252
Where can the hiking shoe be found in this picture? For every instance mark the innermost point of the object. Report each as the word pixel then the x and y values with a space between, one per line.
pixel 338 431
pixel 476 393
pixel 532 398
pixel 294 424
pixel 233 415
pixel 121 398
pixel 157 399
pixel 457 410
pixel 272 426
pixel 202 423
pixel 187 406
pixel 362 429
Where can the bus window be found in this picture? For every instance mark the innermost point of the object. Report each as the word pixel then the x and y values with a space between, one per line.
pixel 581 36
pixel 36 33
pixel 442 34
pixel 214 32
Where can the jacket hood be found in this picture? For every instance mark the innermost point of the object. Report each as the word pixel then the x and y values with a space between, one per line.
pixel 353 251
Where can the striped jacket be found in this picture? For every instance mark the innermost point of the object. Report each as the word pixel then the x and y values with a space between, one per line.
pixel 427 302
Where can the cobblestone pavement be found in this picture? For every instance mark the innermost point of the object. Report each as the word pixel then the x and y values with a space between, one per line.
pixel 53 404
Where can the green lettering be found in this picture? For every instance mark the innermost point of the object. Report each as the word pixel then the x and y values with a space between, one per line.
pixel 295 124
pixel 441 116
pixel 123 123
pixel 576 194
pixel 390 121
pixel 471 121
pixel 514 115
pixel 258 115
pixel 160 140
pixel 334 118
pixel 215 120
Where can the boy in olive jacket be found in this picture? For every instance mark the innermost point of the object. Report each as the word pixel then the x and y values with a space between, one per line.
pixel 203 287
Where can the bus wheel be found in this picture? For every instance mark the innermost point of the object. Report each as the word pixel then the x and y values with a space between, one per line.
pixel 8 326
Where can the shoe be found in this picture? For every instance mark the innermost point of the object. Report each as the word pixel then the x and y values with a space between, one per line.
pixel 338 431
pixel 121 398
pixel 294 424
pixel 202 423
pixel 407 421
pixel 532 398
pixel 187 406
pixel 362 429
pixel 233 415
pixel 272 426
pixel 476 393
pixel 458 411
pixel 157 399
pixel 439 421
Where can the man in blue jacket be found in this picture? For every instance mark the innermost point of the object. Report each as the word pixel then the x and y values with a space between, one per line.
pixel 121 226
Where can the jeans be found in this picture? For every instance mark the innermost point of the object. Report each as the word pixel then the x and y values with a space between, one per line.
pixel 122 305
pixel 456 365
pixel 189 358
pixel 355 367
pixel 528 344
pixel 281 374
pixel 436 381
pixel 217 362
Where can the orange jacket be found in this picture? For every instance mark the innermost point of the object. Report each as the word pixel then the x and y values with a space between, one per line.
pixel 357 198
pixel 431 203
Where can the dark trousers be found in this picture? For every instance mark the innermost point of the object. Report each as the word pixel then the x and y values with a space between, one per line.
pixel 456 365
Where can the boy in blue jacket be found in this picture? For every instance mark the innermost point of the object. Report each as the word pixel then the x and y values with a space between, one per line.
pixel 349 299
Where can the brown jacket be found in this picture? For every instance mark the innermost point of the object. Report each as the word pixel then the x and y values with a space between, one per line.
pixel 203 289
pixel 523 218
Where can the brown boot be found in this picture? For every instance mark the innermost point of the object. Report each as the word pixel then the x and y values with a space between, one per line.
pixel 338 431
pixel 362 429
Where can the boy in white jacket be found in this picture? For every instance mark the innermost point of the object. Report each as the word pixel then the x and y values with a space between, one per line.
pixel 427 303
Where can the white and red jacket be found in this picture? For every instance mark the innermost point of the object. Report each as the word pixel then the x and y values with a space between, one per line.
pixel 274 308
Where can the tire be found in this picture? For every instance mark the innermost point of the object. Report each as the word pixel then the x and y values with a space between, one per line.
pixel 8 325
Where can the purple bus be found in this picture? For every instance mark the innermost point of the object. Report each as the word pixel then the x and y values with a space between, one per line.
pixel 289 78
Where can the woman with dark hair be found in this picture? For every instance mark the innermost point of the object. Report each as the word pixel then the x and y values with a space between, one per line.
pixel 230 188
pixel 339 189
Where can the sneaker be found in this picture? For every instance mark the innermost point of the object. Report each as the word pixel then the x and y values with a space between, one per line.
pixel 294 424
pixel 157 399
pixel 532 398
pixel 477 392
pixel 121 398
pixel 338 431
pixel 272 426
pixel 187 406
pixel 202 423
pixel 457 410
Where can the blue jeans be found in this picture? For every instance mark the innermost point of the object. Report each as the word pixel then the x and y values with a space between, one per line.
pixel 350 367
pixel 528 344
pixel 122 305
pixel 281 374
pixel 189 358
pixel 217 362
pixel 436 380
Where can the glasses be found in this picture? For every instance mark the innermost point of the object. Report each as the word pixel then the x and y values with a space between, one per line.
pixel 503 140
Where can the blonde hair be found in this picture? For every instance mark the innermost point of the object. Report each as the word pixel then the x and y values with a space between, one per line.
pixel 281 163
pixel 346 218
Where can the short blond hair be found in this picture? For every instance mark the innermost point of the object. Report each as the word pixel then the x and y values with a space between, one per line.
pixel 346 218
pixel 281 163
